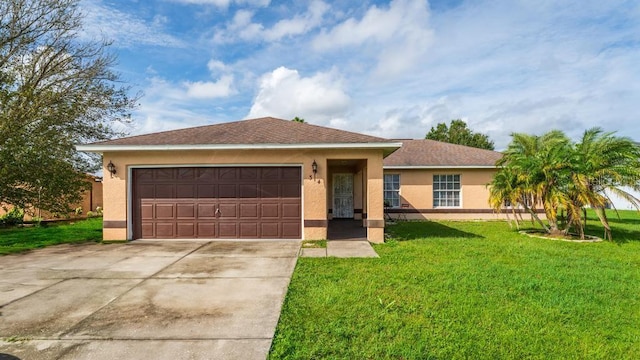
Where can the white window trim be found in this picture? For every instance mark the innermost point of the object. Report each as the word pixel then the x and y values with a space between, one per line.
pixel 461 206
pixel 399 190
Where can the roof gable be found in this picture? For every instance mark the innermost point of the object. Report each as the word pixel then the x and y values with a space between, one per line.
pixel 437 154
pixel 266 130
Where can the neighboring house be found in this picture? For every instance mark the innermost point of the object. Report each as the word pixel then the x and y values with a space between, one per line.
pixel 91 200
pixel 271 178
pixel 427 179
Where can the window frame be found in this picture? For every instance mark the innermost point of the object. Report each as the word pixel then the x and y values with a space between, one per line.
pixel 446 191
pixel 392 189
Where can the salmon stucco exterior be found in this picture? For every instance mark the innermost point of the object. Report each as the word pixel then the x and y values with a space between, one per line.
pixel 270 178
pixel 262 178
pixel 428 179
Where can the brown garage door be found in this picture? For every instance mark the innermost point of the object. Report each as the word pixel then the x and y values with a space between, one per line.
pixel 217 202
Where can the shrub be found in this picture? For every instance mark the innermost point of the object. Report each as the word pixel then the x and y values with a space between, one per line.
pixel 15 216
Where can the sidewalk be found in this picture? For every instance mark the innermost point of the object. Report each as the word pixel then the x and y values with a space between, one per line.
pixel 342 249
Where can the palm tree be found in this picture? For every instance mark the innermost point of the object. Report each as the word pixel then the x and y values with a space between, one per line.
pixel 603 162
pixel 562 176
pixel 539 165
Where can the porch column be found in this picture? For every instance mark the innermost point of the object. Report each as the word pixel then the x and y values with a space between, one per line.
pixel 315 200
pixel 375 203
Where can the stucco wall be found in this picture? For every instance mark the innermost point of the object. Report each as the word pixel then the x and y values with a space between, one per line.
pixel 416 194
pixel 314 190
pixel 91 199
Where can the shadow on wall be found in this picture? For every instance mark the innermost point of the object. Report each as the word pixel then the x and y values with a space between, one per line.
pixel 412 230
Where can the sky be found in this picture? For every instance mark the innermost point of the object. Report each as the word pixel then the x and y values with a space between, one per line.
pixel 391 69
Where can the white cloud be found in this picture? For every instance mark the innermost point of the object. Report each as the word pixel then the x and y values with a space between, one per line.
pixel 242 27
pixel 211 90
pixel 397 36
pixel 299 24
pixel 124 29
pixel 284 93
pixel 216 65
pixel 225 3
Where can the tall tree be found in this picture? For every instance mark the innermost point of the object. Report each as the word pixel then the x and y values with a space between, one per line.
pixel 458 133
pixel 55 91
pixel 297 119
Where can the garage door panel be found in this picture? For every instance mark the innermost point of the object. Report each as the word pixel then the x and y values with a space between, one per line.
pixel 248 230
pixel 248 173
pixel 206 211
pixel 270 210
pixel 167 174
pixel 165 191
pixel 290 190
pixel 227 191
pixel 206 191
pixel 290 173
pixel 291 211
pixel 206 230
pixel 186 174
pixel 146 211
pixel 146 191
pixel 269 191
pixel 217 202
pixel 270 174
pixel 249 211
pixel 228 229
pixel 228 173
pixel 248 190
pixel 145 175
pixel 228 211
pixel 185 191
pixel 206 174
pixel 148 230
pixel 165 230
pixel 291 230
pixel 186 211
pixel 185 230
pixel 269 230
pixel 164 211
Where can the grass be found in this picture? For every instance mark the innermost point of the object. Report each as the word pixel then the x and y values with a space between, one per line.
pixel 314 244
pixel 13 240
pixel 460 290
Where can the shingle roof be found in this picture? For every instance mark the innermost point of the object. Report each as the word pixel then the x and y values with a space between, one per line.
pixel 430 153
pixel 266 130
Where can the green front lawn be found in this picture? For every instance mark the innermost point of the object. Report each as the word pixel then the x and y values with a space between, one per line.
pixel 469 290
pixel 14 240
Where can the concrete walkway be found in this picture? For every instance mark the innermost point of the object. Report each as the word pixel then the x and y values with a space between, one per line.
pixel 342 249
pixel 144 300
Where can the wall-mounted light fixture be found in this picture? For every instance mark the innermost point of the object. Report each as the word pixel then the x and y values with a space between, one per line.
pixel 314 168
pixel 111 168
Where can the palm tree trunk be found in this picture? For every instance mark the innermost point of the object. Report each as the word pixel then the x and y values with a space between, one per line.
pixel 535 216
pixel 602 215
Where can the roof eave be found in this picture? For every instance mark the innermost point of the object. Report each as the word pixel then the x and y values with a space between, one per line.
pixel 98 148
pixel 426 167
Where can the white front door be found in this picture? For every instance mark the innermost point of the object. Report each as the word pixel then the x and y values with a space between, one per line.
pixel 343 196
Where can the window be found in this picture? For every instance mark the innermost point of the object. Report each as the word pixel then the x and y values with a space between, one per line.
pixel 392 190
pixel 446 191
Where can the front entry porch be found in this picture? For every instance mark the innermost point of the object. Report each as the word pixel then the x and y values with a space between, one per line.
pixel 346 229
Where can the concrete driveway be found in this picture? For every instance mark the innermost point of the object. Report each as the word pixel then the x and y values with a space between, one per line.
pixel 144 300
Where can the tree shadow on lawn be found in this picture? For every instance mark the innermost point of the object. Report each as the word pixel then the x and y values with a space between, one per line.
pixel 404 231
pixel 619 235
